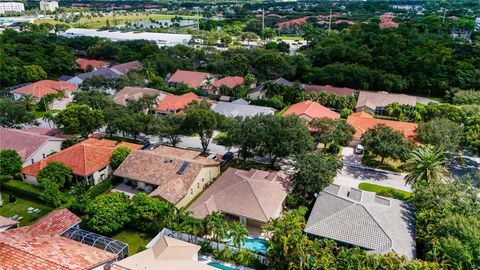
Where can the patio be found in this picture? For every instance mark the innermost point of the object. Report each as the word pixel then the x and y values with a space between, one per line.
pixel 127 190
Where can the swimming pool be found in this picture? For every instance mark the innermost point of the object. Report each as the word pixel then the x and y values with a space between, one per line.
pixel 254 244
pixel 219 266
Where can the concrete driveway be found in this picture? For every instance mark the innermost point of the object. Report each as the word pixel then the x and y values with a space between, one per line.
pixel 352 176
pixel 349 157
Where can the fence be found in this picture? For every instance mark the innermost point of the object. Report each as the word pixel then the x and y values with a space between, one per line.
pixel 197 240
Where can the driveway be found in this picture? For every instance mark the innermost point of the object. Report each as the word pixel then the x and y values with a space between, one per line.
pixel 349 157
pixel 351 176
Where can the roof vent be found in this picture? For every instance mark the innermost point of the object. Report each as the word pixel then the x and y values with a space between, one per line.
pixel 183 168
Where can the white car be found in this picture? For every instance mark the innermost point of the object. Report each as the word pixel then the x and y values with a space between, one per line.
pixel 359 149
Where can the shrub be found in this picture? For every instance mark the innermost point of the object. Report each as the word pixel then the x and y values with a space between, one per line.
pixel 22 188
pixel 246 258
pixel 81 203
pixel 205 247
pixel 345 113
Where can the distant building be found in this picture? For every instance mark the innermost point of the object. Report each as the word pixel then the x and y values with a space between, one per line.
pixel 171 104
pixel 229 82
pixel 238 108
pixel 308 110
pixel 46 5
pixel 113 72
pixel 340 91
pixel 376 102
pixel 85 64
pixel 11 7
pixel 192 79
pixel 42 88
pixel 260 93
pixel 161 39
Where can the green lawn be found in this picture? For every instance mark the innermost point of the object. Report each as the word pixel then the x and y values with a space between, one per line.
pixel 20 208
pixel 370 160
pixel 386 191
pixel 41 114
pixel 134 239
pixel 289 38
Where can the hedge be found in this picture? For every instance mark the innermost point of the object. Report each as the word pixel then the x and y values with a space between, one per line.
pixel 22 188
pixel 102 187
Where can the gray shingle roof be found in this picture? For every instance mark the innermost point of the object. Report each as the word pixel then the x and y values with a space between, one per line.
pixel 361 218
pixel 103 72
pixel 242 110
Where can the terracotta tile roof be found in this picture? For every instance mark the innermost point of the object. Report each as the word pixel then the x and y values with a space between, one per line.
pixel 84 63
pixel 41 247
pixel 292 22
pixel 341 91
pixel 7 222
pixel 55 223
pixel 229 82
pixel 43 88
pixel 134 93
pixel 160 166
pixel 312 110
pixel 386 21
pixel 254 194
pixel 363 121
pixel 173 102
pixel 382 99
pixel 25 143
pixel 83 158
pixel 124 68
pixel 192 79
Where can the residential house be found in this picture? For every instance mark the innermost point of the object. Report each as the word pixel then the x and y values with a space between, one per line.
pixel 30 146
pixel 228 82
pixel 171 104
pixel 42 88
pixel 308 110
pixel 358 218
pixel 260 92
pixel 173 174
pixel 7 223
pixel 192 79
pixel 84 64
pixel 362 121
pixel 106 73
pixel 89 159
pixel 339 91
pixel 42 245
pixel 164 253
pixel 240 108
pixel 386 21
pixel 123 69
pixel 376 102
pixel 250 197
pixel 135 93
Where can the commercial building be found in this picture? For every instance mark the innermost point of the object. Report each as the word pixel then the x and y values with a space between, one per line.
pixel 11 7
pixel 46 5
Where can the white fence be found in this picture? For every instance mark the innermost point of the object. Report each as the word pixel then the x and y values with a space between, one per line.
pixel 197 240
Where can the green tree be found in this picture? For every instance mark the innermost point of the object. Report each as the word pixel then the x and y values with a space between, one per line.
pixel 108 213
pixel 13 114
pixel 79 119
pixel 146 212
pixel 442 133
pixel 203 122
pixel 10 162
pixel 33 73
pixel 119 155
pixel 95 99
pixel 216 226
pixel 386 142
pixel 29 101
pixel 313 172
pixel 169 127
pixel 426 166
pixel 237 233
pixel 332 131
pixel 472 134
pixel 52 178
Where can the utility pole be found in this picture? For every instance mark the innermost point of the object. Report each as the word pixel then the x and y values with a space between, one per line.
pixel 330 22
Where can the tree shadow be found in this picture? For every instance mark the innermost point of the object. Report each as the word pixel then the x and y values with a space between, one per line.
pixel 365 174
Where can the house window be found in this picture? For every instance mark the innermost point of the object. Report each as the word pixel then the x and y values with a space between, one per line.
pixel 191 191
pixel 43 155
pixel 33 161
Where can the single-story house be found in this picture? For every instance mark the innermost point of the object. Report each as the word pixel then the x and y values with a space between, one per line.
pixel 240 109
pixel 7 223
pixel 251 197
pixel 376 102
pixel 42 88
pixel 166 253
pixel 43 246
pixel 358 218
pixel 113 72
pixel 174 104
pixel 308 110
pixel 135 93
pixel 229 82
pixel 89 159
pixel 172 174
pixel 83 64
pixel 362 121
pixel 260 93
pixel 30 146
pixel 124 68
pixel 192 79
pixel 340 91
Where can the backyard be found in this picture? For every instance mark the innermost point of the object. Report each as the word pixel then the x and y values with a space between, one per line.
pixel 136 240
pixel 20 208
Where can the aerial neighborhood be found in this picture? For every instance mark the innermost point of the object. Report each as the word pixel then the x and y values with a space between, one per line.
pixel 240 135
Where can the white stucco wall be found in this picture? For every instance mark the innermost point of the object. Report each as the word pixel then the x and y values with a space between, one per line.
pixel 206 175
pixel 53 145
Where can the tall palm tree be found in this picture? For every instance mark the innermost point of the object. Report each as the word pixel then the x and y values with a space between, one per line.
pixel 48 117
pixel 216 226
pixel 237 233
pixel 426 165
pixel 29 101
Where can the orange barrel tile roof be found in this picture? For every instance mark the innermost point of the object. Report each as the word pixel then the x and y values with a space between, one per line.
pixel 42 88
pixel 192 79
pixel 172 102
pixel 363 121
pixel 312 110
pixel 84 63
pixel 229 82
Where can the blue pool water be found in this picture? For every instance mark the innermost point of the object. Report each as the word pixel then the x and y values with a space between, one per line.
pixel 254 244
pixel 219 266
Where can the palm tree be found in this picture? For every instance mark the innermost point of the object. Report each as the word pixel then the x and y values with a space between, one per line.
pixel 48 117
pixel 238 232
pixel 29 101
pixel 426 165
pixel 216 226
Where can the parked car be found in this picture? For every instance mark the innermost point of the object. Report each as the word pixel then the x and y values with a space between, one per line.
pixel 359 149
pixel 226 158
